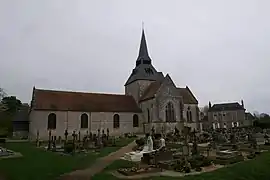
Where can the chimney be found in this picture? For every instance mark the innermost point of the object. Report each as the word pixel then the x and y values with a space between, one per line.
pixel 210 104
pixel 242 103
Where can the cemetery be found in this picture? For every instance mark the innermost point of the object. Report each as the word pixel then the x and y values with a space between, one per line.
pixel 74 143
pixel 7 153
pixel 49 159
pixel 156 155
pixel 190 152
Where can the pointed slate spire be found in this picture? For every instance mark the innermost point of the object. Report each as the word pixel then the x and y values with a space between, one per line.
pixel 143 57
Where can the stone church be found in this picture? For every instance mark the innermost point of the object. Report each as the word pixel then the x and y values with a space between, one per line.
pixel 150 100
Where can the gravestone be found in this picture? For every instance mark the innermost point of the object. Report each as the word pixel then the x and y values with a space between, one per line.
pixel 37 140
pixel 66 135
pixel 50 139
pixel 108 133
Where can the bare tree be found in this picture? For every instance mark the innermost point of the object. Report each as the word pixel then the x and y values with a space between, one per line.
pixel 2 93
pixel 205 109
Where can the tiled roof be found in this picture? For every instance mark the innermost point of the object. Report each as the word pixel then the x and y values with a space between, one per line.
pixel 187 96
pixel 226 107
pixel 81 101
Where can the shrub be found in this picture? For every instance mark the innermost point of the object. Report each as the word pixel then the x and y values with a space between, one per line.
pixel 140 142
pixel 251 156
pixel 68 148
pixel 187 169
pixel 206 162
pixel 198 169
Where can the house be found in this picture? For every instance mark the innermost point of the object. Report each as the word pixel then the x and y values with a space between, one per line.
pixel 20 122
pixel 226 115
pixel 151 100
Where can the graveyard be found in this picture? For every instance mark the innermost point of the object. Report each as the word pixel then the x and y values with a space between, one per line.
pixel 220 154
pixel 49 159
pixel 216 154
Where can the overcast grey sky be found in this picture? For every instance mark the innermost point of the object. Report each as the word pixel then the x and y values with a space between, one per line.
pixel 219 48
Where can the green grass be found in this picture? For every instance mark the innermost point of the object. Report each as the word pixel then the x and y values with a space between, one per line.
pixel 257 169
pixel 38 164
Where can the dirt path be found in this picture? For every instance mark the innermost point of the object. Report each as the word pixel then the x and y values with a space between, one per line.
pixel 98 166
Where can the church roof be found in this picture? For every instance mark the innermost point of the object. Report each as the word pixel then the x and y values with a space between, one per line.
pixel 187 95
pixel 82 101
pixel 151 90
pixel 144 69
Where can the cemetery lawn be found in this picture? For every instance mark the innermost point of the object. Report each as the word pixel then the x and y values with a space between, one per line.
pixel 256 169
pixel 37 164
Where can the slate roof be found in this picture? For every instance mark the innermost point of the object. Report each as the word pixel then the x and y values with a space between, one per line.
pixel 226 107
pixel 151 90
pixel 144 69
pixel 82 101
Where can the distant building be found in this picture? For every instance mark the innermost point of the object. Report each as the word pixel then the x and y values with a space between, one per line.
pixel 249 119
pixel 226 115
pixel 21 122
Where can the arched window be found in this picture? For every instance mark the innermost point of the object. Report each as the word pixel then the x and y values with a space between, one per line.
pixel 170 115
pixel 190 116
pixel 188 119
pixel 135 120
pixel 148 115
pixel 116 121
pixel 181 110
pixel 84 121
pixel 51 121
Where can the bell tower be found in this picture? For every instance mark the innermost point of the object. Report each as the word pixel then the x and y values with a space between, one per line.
pixel 143 74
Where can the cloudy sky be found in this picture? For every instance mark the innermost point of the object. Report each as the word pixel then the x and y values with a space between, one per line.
pixel 219 48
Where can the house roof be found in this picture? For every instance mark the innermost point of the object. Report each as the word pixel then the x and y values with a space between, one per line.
pixel 226 107
pixel 82 101
pixel 151 90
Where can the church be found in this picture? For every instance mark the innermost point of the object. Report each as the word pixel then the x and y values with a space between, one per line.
pixel 151 100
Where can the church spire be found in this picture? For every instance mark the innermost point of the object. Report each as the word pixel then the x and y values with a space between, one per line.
pixel 143 57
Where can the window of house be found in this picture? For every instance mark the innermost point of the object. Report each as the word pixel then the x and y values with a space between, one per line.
pixel 84 121
pixel 170 113
pixel 135 120
pixel 51 121
pixel 116 121
pixel 215 117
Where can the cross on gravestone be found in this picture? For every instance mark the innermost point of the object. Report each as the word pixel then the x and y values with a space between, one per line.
pixel 37 140
pixel 73 141
pixel 108 133
pixel 79 139
pixel 49 142
pixel 66 134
